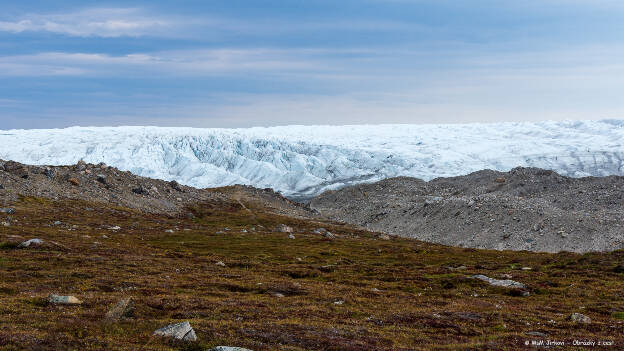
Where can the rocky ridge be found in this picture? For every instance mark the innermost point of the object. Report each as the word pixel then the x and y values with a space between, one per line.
pixel 523 209
pixel 102 183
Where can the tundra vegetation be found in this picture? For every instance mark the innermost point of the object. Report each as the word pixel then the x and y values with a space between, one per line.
pixel 354 290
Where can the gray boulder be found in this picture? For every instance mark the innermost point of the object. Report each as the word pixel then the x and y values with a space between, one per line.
pixel 101 178
pixel 31 242
pixel 282 228
pixel 80 166
pixel 11 166
pixel 63 300
pixel 122 309
pixel 179 331
pixel 48 172
pixel 579 318
pixel 507 283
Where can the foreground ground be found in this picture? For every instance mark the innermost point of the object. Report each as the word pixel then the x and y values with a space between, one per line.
pixel 353 292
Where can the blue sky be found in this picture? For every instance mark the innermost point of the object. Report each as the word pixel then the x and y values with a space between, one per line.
pixel 241 63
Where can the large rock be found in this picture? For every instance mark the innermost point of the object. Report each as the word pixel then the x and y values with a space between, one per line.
pixel 282 228
pixel 7 210
pixel 80 166
pixel 63 300
pixel 11 166
pixel 178 331
pixel 48 172
pixel 507 283
pixel 140 190
pixel 579 318
pixel 31 242
pixel 101 178
pixel 175 185
pixel 122 309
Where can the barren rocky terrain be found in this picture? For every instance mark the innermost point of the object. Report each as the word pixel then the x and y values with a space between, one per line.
pixel 524 209
pixel 130 263
pixel 109 185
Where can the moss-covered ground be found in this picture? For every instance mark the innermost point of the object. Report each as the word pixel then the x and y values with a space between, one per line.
pixel 355 292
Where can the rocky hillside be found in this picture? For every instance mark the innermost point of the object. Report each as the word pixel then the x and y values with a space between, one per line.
pixel 524 209
pixel 109 185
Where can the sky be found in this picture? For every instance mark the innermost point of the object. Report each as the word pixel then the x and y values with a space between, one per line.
pixel 243 63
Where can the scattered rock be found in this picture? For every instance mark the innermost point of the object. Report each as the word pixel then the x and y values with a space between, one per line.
pixel 538 334
pixel 175 185
pixel 459 268
pixel 115 228
pixel 80 166
pixel 500 180
pixel 74 181
pixel 140 190
pixel 282 228
pixel 7 210
pixel 12 166
pixel 228 348
pixel 178 331
pixel 320 231
pixel 122 309
pixel 291 236
pixel 63 300
pixel 329 235
pixel 31 242
pixel 169 231
pixel 48 172
pixel 339 302
pixel 384 237
pixel 579 318
pixel 101 178
pixel 220 264
pixel 276 294
pixel 502 283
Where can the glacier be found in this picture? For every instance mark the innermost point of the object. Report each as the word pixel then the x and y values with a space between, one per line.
pixel 303 161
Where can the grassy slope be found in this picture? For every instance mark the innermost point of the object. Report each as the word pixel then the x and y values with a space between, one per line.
pixel 173 277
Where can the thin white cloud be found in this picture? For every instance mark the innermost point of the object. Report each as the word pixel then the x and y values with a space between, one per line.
pixel 95 22
pixel 136 22
pixel 176 63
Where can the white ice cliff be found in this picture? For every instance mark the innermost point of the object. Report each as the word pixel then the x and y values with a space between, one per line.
pixel 306 160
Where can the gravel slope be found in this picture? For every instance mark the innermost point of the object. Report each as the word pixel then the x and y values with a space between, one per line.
pixel 524 209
